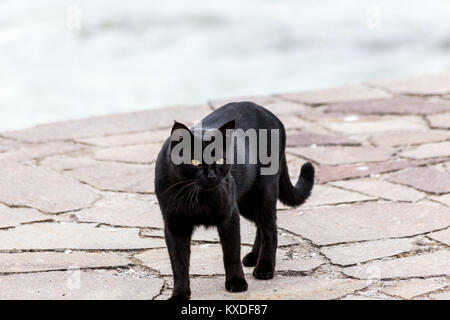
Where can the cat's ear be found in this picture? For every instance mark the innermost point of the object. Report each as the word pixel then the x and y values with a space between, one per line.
pixel 175 136
pixel 227 128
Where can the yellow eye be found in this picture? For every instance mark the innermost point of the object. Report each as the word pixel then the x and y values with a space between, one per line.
pixel 219 161
pixel 195 162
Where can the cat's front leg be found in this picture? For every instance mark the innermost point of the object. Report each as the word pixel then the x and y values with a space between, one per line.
pixel 230 238
pixel 179 247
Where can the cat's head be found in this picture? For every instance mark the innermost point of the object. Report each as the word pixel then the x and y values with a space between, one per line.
pixel 200 154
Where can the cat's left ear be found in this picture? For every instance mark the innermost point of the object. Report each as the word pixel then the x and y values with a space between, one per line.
pixel 227 128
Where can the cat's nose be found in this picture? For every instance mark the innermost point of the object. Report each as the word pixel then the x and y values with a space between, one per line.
pixel 211 175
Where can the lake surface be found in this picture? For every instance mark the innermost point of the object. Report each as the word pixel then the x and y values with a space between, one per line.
pixel 64 60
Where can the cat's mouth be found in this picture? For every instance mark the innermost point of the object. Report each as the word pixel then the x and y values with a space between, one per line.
pixel 209 185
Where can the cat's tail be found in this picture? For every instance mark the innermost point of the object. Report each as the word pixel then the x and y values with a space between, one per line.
pixel 294 196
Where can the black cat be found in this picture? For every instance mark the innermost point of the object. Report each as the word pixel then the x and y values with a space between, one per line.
pixel 195 193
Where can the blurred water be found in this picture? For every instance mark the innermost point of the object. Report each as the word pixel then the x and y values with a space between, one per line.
pixel 132 55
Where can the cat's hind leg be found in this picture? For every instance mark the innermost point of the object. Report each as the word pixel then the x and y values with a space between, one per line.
pixel 251 258
pixel 265 206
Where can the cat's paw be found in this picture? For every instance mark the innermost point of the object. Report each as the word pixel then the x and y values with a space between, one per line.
pixel 264 271
pixel 236 285
pixel 179 298
pixel 250 259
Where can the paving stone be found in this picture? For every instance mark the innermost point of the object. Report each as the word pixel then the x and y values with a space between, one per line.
pixel 306 139
pixel 420 85
pixel 143 154
pixel 396 105
pixel 440 121
pixel 335 95
pixel 345 255
pixel 424 179
pixel 333 173
pixel 432 150
pixel 248 232
pixel 361 297
pixel 424 265
pixel 328 195
pixel 78 285
pixel 334 225
pixel 343 155
pixel 67 162
pixel 51 236
pixel 441 295
pixel 112 176
pixel 394 139
pixel 280 288
pixel 111 124
pixel 7 145
pixel 207 259
pixel 441 236
pixel 42 189
pixel 383 125
pixel 130 212
pixel 274 105
pixel 11 217
pixel 128 139
pixel 445 199
pixel 40 151
pixel 53 261
pixel 382 189
pixel 409 289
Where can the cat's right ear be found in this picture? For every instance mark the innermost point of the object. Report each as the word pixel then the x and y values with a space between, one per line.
pixel 176 136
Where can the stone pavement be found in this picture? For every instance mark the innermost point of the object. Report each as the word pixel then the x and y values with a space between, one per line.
pixel 79 218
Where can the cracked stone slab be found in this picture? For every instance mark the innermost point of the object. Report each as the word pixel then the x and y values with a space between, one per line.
pixel 112 176
pixel 335 95
pixel 11 217
pixel 306 139
pixel 59 236
pixel 280 288
pixel 424 179
pixel 432 150
pixel 78 285
pixel 345 255
pixel 395 105
pixel 441 236
pixel 40 151
pixel 334 225
pixel 444 199
pixel 441 295
pixel 424 265
pixel 207 259
pixel 247 228
pixel 342 172
pixel 53 261
pixel 119 211
pixel 409 289
pixel 343 155
pixel 382 189
pixel 7 145
pixel 382 125
pixel 439 121
pixel 328 195
pixel 143 154
pixel 394 139
pixel 42 189
pixel 146 137
pixel 111 125
pixel 67 162
pixel 420 85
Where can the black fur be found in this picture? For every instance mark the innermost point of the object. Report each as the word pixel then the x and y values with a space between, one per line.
pixel 215 195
